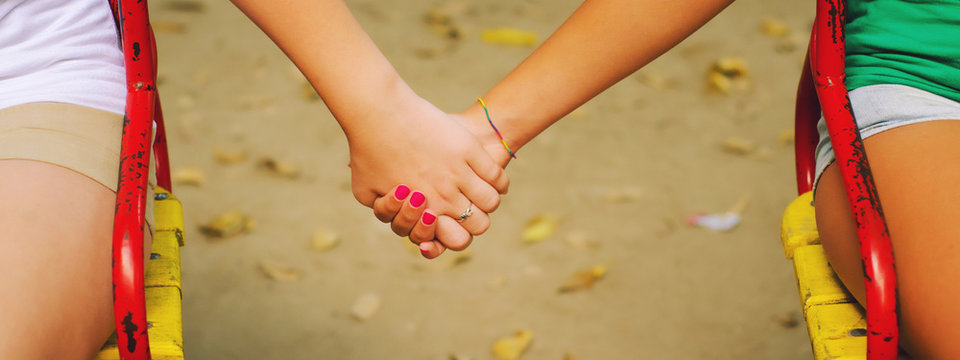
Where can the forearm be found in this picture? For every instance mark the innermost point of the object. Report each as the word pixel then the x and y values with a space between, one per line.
pixel 600 44
pixel 326 43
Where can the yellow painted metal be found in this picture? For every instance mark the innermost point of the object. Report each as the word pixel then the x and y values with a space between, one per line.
pixel 835 322
pixel 837 331
pixel 816 281
pixel 163 286
pixel 799 225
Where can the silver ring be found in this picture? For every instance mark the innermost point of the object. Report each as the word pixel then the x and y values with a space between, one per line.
pixel 466 213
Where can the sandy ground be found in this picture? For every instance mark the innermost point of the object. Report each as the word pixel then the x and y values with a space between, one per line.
pixel 620 175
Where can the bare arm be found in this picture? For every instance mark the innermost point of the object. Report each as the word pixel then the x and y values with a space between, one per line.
pixel 600 44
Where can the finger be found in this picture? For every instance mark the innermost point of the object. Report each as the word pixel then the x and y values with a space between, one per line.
pixel 451 234
pixel 409 214
pixel 482 195
pixel 365 197
pixel 425 229
pixel 489 171
pixel 477 223
pixel 431 249
pixel 386 207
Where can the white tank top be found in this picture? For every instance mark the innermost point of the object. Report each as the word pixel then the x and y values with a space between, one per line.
pixel 60 51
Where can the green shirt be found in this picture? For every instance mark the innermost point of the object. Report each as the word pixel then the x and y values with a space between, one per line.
pixel 906 42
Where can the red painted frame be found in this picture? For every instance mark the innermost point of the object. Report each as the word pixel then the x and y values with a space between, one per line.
pixel 824 71
pixel 141 113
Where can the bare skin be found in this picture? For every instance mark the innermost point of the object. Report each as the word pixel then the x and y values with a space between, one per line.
pixel 55 249
pixel 916 172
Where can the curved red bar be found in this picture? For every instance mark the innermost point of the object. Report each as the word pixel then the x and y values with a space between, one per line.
pixel 875 248
pixel 140 62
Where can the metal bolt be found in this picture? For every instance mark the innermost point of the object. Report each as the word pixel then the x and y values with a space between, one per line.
pixel 159 196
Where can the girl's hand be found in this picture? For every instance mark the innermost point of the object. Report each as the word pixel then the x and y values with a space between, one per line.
pixel 403 218
pixel 417 144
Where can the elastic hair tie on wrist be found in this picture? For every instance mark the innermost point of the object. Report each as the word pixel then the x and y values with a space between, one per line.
pixel 502 141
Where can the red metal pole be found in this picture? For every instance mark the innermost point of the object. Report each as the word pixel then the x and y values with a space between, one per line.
pixel 129 302
pixel 806 114
pixel 876 251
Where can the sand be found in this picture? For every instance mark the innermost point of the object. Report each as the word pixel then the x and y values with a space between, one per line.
pixel 620 176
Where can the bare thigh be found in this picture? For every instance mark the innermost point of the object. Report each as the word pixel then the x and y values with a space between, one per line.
pixel 917 171
pixel 55 250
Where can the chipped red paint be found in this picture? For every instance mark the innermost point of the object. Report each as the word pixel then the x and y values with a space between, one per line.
pixel 142 109
pixel 827 64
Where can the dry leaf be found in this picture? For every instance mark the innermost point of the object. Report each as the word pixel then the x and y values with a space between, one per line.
pixel 788 320
pixel 739 146
pixel 184 5
pixel 227 225
pixel 282 168
pixel 582 241
pixel 441 23
pixel 227 157
pixel 538 228
pixel 307 92
pixel 726 74
pixel 279 272
pixel 774 28
pixel 324 240
pixel 786 137
pixel 461 258
pixel 584 279
pixel 458 357
pixel 365 306
pixel 510 37
pixel 511 348
pixel 168 26
pixel 623 195
pixel 189 176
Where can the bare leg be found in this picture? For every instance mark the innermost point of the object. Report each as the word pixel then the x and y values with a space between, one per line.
pixel 55 249
pixel 917 171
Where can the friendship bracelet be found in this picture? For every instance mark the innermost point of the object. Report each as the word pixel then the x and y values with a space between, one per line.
pixel 502 141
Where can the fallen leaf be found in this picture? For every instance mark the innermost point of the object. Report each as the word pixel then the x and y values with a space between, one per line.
pixel 739 146
pixel 279 272
pixel 623 195
pixel 365 306
pixel 786 137
pixel 510 37
pixel 774 28
pixel 583 280
pixel 227 225
pixel 189 176
pixel 184 5
pixel 168 26
pixel 282 168
pixel 307 92
pixel 538 228
pixel 461 258
pixel 441 23
pixel 511 348
pixel 458 357
pixel 788 320
pixel 727 74
pixel 582 241
pixel 228 157
pixel 324 240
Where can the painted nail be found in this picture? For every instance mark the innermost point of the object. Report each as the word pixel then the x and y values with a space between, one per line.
pixel 424 251
pixel 402 192
pixel 428 218
pixel 417 199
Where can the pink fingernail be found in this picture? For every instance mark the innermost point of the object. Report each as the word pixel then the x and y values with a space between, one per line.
pixel 417 199
pixel 402 192
pixel 428 218
pixel 424 251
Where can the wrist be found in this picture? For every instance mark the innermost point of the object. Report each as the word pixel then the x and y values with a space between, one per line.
pixel 476 121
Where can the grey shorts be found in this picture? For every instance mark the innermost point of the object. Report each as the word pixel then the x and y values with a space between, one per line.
pixel 883 107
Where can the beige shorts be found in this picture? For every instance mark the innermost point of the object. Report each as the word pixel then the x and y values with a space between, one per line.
pixel 75 137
